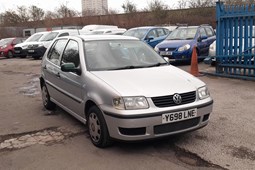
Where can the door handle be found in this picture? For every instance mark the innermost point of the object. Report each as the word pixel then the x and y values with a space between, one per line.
pixel 44 67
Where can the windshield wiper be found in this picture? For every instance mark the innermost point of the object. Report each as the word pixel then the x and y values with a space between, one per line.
pixel 157 65
pixel 127 67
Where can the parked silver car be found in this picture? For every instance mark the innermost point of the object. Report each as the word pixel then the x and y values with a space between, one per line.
pixel 121 88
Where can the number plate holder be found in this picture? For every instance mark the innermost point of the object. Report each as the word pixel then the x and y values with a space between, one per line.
pixel 179 116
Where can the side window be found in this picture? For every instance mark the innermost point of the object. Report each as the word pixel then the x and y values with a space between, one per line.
pixel 56 50
pixel 71 53
pixel 202 32
pixel 209 32
pixel 166 31
pixel 160 32
pixel 63 34
pixel 152 33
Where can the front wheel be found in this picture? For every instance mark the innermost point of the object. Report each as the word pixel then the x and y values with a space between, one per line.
pixel 9 54
pixel 98 131
pixel 47 103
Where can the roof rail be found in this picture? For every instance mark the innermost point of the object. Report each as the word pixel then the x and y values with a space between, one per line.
pixel 205 25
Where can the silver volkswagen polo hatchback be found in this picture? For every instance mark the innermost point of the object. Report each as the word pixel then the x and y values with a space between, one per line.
pixel 122 89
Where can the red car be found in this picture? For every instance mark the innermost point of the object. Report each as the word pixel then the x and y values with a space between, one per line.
pixel 7 46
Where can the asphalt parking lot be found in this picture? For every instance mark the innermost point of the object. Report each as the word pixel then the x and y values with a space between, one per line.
pixel 34 138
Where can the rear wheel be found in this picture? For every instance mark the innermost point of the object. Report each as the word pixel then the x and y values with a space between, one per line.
pixel 97 128
pixel 47 103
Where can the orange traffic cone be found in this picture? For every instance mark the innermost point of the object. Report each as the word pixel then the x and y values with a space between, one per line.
pixel 194 63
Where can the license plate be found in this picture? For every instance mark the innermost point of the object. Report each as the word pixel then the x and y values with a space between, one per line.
pixel 17 51
pixel 31 51
pixel 166 53
pixel 179 116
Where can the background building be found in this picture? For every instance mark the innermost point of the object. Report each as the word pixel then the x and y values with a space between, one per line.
pixel 94 7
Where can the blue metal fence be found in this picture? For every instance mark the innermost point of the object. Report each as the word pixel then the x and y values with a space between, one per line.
pixel 235 41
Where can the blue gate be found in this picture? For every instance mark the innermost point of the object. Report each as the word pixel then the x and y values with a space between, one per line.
pixel 235 41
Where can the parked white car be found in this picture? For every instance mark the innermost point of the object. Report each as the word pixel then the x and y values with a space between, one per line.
pixel 122 89
pixel 20 50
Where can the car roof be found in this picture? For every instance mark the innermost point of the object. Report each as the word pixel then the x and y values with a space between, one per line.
pixel 105 37
pixel 146 27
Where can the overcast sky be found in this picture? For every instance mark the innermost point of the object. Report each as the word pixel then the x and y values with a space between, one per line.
pixel 74 4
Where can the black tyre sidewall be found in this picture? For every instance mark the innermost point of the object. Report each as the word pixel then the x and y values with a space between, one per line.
pixel 49 105
pixel 104 140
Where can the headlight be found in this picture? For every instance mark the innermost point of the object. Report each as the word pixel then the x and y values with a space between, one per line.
pixel 203 93
pixel 184 48
pixel 130 103
pixel 40 45
pixel 24 47
pixel 4 46
pixel 156 49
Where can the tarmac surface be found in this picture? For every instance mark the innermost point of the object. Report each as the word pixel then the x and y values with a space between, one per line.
pixel 34 138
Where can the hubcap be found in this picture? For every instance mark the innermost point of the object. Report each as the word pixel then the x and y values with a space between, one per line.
pixel 94 127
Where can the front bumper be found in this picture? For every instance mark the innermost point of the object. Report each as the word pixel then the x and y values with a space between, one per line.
pixel 149 125
pixel 3 53
pixel 179 56
pixel 36 52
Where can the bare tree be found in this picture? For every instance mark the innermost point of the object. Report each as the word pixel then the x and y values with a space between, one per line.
pixel 159 10
pixel 201 3
pixel 63 12
pixel 22 12
pixel 182 4
pixel 10 18
pixel 36 13
pixel 129 7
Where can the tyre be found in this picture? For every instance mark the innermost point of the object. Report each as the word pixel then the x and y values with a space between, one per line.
pixel 47 103
pixel 98 130
pixel 9 54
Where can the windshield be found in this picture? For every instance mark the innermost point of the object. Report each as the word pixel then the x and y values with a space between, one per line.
pixel 183 34
pixel 50 36
pixel 138 33
pixel 34 37
pixel 6 41
pixel 120 54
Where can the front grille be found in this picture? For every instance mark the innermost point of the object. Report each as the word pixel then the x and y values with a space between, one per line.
pixel 167 101
pixel 176 126
pixel 17 48
pixel 169 49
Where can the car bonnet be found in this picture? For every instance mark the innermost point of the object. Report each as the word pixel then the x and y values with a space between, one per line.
pixel 149 82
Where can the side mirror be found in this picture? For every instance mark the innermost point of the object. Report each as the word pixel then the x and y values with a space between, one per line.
pixel 149 38
pixel 70 67
pixel 202 38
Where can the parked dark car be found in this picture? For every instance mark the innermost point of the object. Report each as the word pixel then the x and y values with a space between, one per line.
pixel 151 35
pixel 178 46
pixel 7 46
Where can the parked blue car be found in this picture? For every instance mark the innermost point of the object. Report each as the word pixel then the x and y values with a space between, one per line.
pixel 151 35
pixel 178 46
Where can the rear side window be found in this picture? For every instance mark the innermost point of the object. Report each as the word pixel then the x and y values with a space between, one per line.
pixel 56 50
pixel 71 53
pixel 63 34
pixel 209 32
